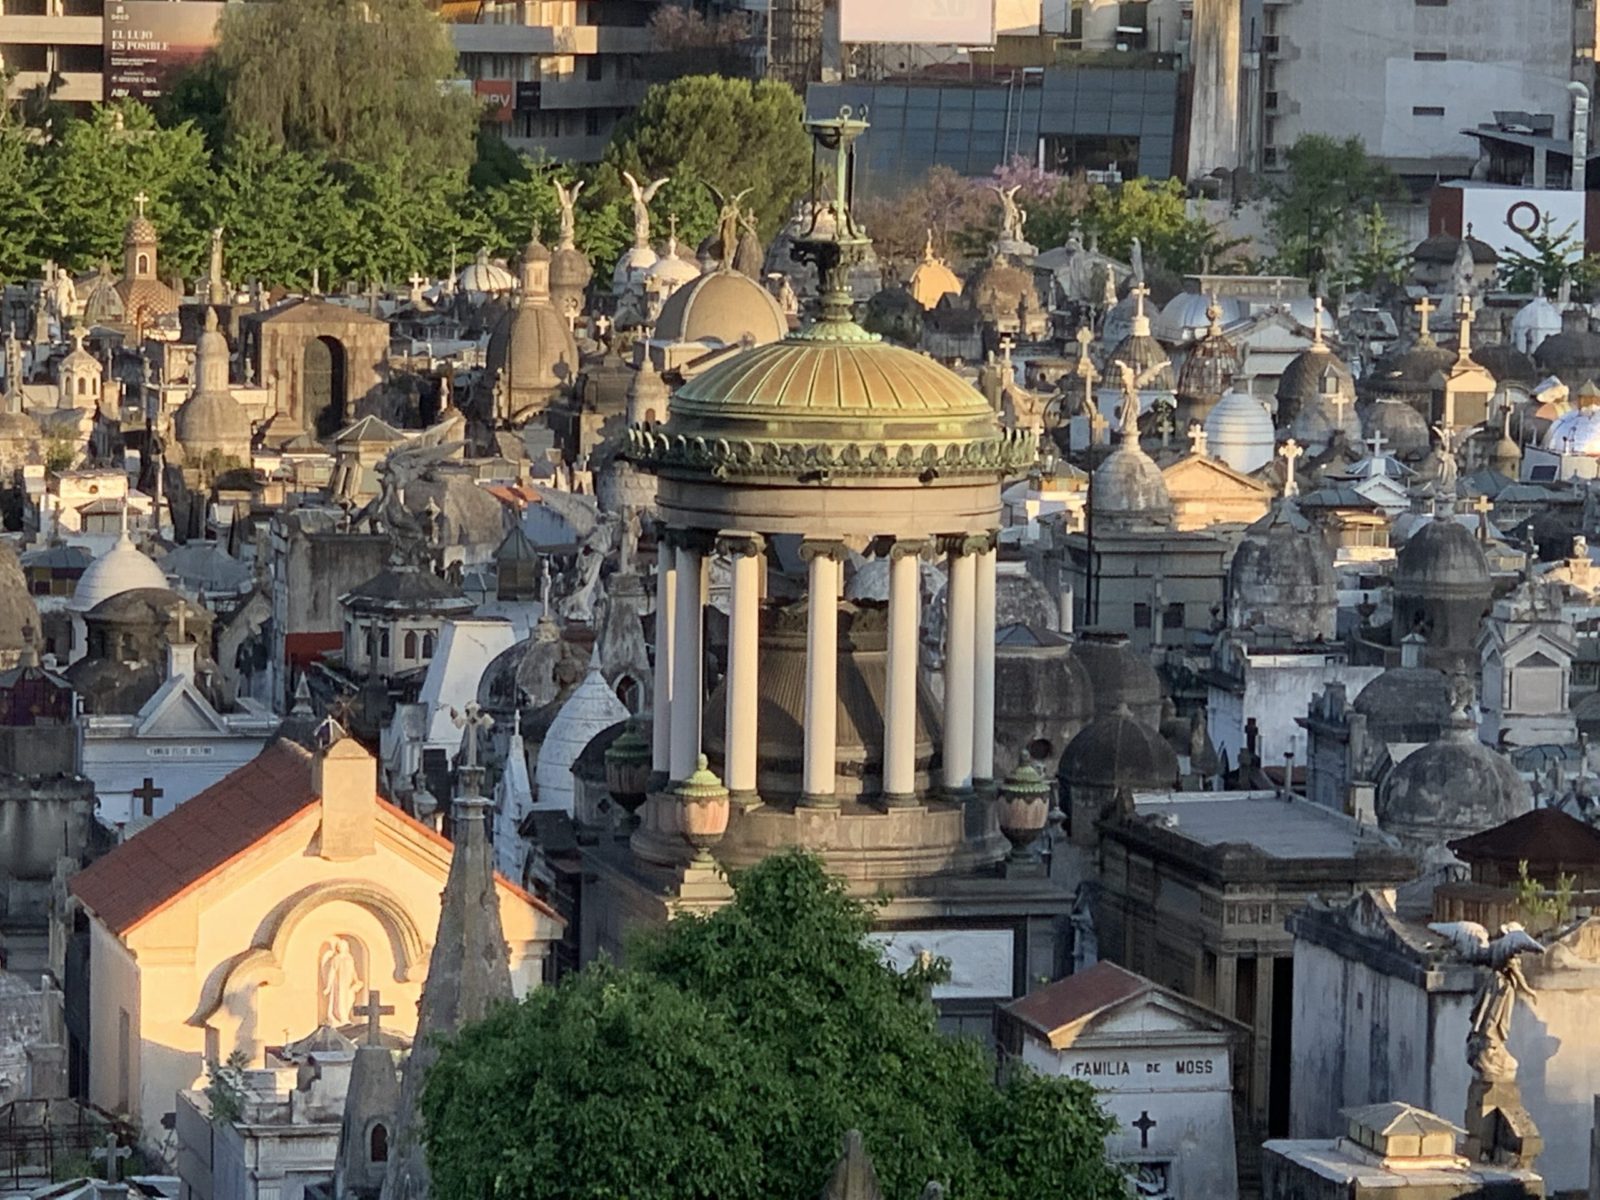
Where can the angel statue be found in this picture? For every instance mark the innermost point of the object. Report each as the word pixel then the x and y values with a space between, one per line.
pixel 1013 215
pixel 1445 479
pixel 727 223
pixel 567 198
pixel 642 195
pixel 1491 1012
pixel 1128 414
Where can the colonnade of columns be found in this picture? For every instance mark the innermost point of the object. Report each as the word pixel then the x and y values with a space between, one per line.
pixel 968 750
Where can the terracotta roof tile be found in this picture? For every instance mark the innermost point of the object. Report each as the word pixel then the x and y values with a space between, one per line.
pixel 1545 835
pixel 198 838
pixel 1069 1000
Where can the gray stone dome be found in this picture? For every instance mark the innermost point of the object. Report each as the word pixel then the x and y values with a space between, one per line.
pixel 1406 705
pixel 1407 374
pixel 212 421
pixel 1506 363
pixel 1450 788
pixel 1129 488
pixel 1115 751
pixel 1442 588
pixel 1282 577
pixel 1118 676
pixel 1572 356
pixel 1042 696
pixel 1403 428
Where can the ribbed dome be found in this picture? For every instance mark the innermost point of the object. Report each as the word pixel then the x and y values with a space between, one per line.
pixel 1042 694
pixel 1406 704
pixel 932 280
pixel 1116 751
pixel 1451 788
pixel 1440 555
pixel 123 568
pixel 1303 380
pixel 532 348
pixel 1403 429
pixel 1533 323
pixel 1572 356
pixel 1576 432
pixel 1210 369
pixel 589 711
pixel 484 278
pixel 1282 577
pixel 212 421
pixel 1321 417
pixel 1240 433
pixel 723 306
pixel 1129 486
pixel 1118 676
pixel 832 383
pixel 1187 316
pixel 102 303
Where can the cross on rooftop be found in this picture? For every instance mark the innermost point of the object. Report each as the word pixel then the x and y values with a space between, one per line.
pixel 1197 439
pixel 1481 506
pixel 1290 451
pixel 147 794
pixel 1424 307
pixel 140 200
pixel 374 1011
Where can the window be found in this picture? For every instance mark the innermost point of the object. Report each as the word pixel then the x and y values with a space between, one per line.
pixel 1427 110
pixel 1141 616
pixel 378 1143
pixel 1429 56
pixel 592 122
pixel 427 645
pixel 1173 619
pixel 1433 3
pixel 411 644
pixel 594 68
pixel 383 644
pixel 142 265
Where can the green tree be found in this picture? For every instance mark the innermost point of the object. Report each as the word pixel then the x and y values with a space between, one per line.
pixel 361 83
pixel 21 203
pixel 1157 214
pixel 97 166
pixel 728 1060
pixel 283 212
pixel 708 129
pixel 1549 258
pixel 1378 256
pixel 1317 207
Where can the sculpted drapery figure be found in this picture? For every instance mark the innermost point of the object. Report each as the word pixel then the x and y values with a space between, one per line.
pixel 1489 1027
pixel 642 195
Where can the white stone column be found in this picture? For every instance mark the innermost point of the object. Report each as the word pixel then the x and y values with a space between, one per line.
pixel 983 620
pixel 688 621
pixel 900 699
pixel 661 687
pixel 959 680
pixel 744 614
pixel 817 785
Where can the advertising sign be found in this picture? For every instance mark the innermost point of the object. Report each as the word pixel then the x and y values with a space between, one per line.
pixel 927 22
pixel 497 96
pixel 147 42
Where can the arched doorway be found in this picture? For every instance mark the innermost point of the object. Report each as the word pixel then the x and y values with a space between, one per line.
pixel 322 376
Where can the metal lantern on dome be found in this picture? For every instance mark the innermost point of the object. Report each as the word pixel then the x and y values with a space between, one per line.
pixel 1023 808
pixel 704 819
pixel 628 767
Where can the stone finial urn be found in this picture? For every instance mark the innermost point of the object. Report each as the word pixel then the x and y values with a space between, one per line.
pixel 705 810
pixel 1023 808
pixel 628 768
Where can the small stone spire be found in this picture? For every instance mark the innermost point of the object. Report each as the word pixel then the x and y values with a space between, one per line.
pixel 1141 319
pixel 469 972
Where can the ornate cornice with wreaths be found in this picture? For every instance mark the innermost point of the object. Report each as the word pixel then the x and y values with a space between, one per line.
pixel 656 449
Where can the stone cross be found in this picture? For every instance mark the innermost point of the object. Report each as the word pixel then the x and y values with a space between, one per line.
pixel 1290 451
pixel 1005 353
pixel 1423 308
pixel 1316 321
pixel 112 1154
pixel 1197 439
pixel 147 794
pixel 1085 338
pixel 140 200
pixel 374 1010
pixel 1375 444
pixel 602 325
pixel 1481 506
pixel 471 719
pixel 1464 317
pixel 1139 292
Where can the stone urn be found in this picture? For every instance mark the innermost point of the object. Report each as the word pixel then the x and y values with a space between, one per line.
pixel 703 812
pixel 628 768
pixel 1023 808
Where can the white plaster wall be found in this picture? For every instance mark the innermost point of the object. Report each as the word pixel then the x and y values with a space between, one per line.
pixel 115 990
pixel 1275 696
pixel 1348 68
pixel 182 768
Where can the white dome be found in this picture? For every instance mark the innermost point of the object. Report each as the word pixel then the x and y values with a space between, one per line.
pixel 123 568
pixel 1534 321
pixel 1573 433
pixel 591 709
pixel 485 278
pixel 631 268
pixel 670 269
pixel 1239 432
pixel 1184 318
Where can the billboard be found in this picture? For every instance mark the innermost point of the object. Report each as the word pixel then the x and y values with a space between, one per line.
pixel 925 22
pixel 147 42
pixel 1499 215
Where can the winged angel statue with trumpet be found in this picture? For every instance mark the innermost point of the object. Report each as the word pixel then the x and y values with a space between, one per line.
pixel 1497 998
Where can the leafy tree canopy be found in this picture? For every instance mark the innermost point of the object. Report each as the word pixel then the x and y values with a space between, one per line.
pixel 359 82
pixel 728 1060
pixel 1550 257
pixel 1317 208
pixel 708 129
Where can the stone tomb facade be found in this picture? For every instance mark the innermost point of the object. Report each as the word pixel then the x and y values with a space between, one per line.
pixel 1163 1066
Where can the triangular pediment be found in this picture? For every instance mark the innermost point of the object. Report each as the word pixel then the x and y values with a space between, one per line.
pixel 179 710
pixel 1209 476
